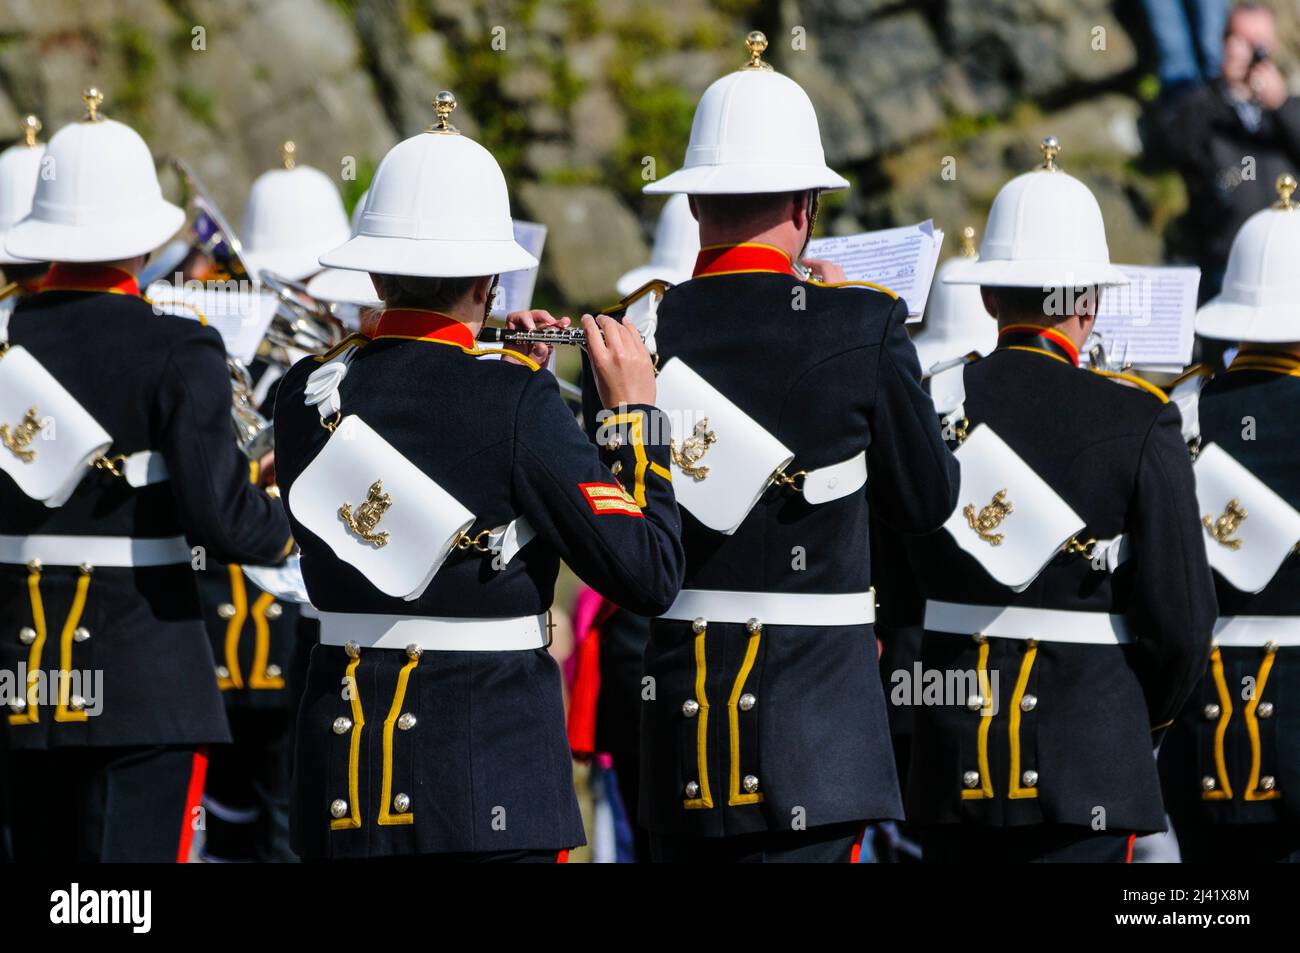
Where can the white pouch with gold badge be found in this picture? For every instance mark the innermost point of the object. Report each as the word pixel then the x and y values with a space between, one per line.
pixel 722 459
pixel 47 439
pixel 1007 516
pixel 375 509
pixel 1248 528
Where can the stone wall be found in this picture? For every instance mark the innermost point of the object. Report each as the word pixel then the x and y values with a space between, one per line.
pixel 573 96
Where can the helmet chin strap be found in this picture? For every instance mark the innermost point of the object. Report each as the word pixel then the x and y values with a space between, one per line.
pixel 491 297
pixel 813 205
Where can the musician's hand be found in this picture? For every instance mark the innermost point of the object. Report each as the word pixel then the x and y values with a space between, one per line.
pixel 624 370
pixel 266 470
pixel 534 320
pixel 824 270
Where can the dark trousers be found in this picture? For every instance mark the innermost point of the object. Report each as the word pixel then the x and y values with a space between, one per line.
pixel 831 844
pixel 132 804
pixel 1239 843
pixel 1034 844
pixel 247 796
pixel 479 857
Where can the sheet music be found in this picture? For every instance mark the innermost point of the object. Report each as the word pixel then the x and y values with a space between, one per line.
pixel 516 292
pixel 240 311
pixel 1150 323
pixel 902 259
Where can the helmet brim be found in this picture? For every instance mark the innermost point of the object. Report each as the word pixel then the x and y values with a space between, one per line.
pixel 429 257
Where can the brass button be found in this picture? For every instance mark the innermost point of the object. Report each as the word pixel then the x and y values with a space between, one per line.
pixel 752 626
pixel 1028 702
pixel 273 671
pixel 747 701
pixel 1270 647
pixel 274 611
pixel 26 635
pixel 402 803
pixel 338 807
pixel 80 633
pixel 1267 782
pixel 690 708
pixel 18 706
pixel 614 441
pixel 1029 778
pixel 980 638
pixel 77 703
pixel 34 565
pixel 750 784
pixel 352 649
pixel 692 789
pixel 226 610
pixel 413 651
pixel 971 779
pixel 1264 710
pixel 223 672
pixel 1208 783
pixel 616 467
pixel 406 721
pixel 342 725
pixel 1211 711
pixel 975 702
pixel 699 625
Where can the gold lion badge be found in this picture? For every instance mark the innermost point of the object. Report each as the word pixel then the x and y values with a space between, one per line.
pixel 368 514
pixel 1223 528
pixel 990 517
pixel 19 439
pixel 693 450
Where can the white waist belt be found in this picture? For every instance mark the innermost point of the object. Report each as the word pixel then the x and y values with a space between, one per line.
pixel 95 550
pixel 775 608
pixel 1233 631
pixel 1016 622
pixel 434 634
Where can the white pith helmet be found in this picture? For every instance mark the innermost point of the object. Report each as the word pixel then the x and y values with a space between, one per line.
pixel 20 167
pixel 293 214
pixel 1261 286
pixel 438 207
pixel 955 320
pixel 100 201
pixel 1044 230
pixel 341 285
pixel 754 131
pixel 677 245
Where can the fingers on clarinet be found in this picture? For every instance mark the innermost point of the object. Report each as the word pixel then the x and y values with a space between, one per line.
pixel 595 342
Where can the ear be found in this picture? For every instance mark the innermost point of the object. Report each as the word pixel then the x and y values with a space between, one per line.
pixel 990 302
pixel 799 210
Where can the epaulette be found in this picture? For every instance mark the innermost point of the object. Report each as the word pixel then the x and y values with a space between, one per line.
pixel 1196 370
pixel 855 284
pixel 1135 381
pixel 355 339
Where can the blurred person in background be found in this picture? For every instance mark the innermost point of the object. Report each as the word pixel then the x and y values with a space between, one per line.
pixel 1232 138
pixel 1189 41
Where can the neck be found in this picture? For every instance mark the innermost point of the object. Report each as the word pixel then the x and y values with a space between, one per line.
pixel 1075 330
pixel 783 236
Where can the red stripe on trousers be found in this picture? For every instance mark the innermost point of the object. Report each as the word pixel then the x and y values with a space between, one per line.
pixel 198 773
pixel 562 857
pixel 1128 855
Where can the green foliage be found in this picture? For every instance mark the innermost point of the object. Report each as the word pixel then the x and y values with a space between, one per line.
pixel 353 189
pixel 139 65
pixel 198 102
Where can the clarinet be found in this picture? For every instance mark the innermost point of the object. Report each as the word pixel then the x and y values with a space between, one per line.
pixel 573 336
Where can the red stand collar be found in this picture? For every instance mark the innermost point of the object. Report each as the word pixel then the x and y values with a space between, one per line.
pixel 420 325
pixel 742 259
pixel 106 279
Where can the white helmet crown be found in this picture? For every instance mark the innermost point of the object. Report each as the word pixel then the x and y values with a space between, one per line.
pixel 293 214
pixel 438 207
pixel 1044 230
pixel 1262 283
pixel 754 131
pixel 20 166
pixel 100 200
